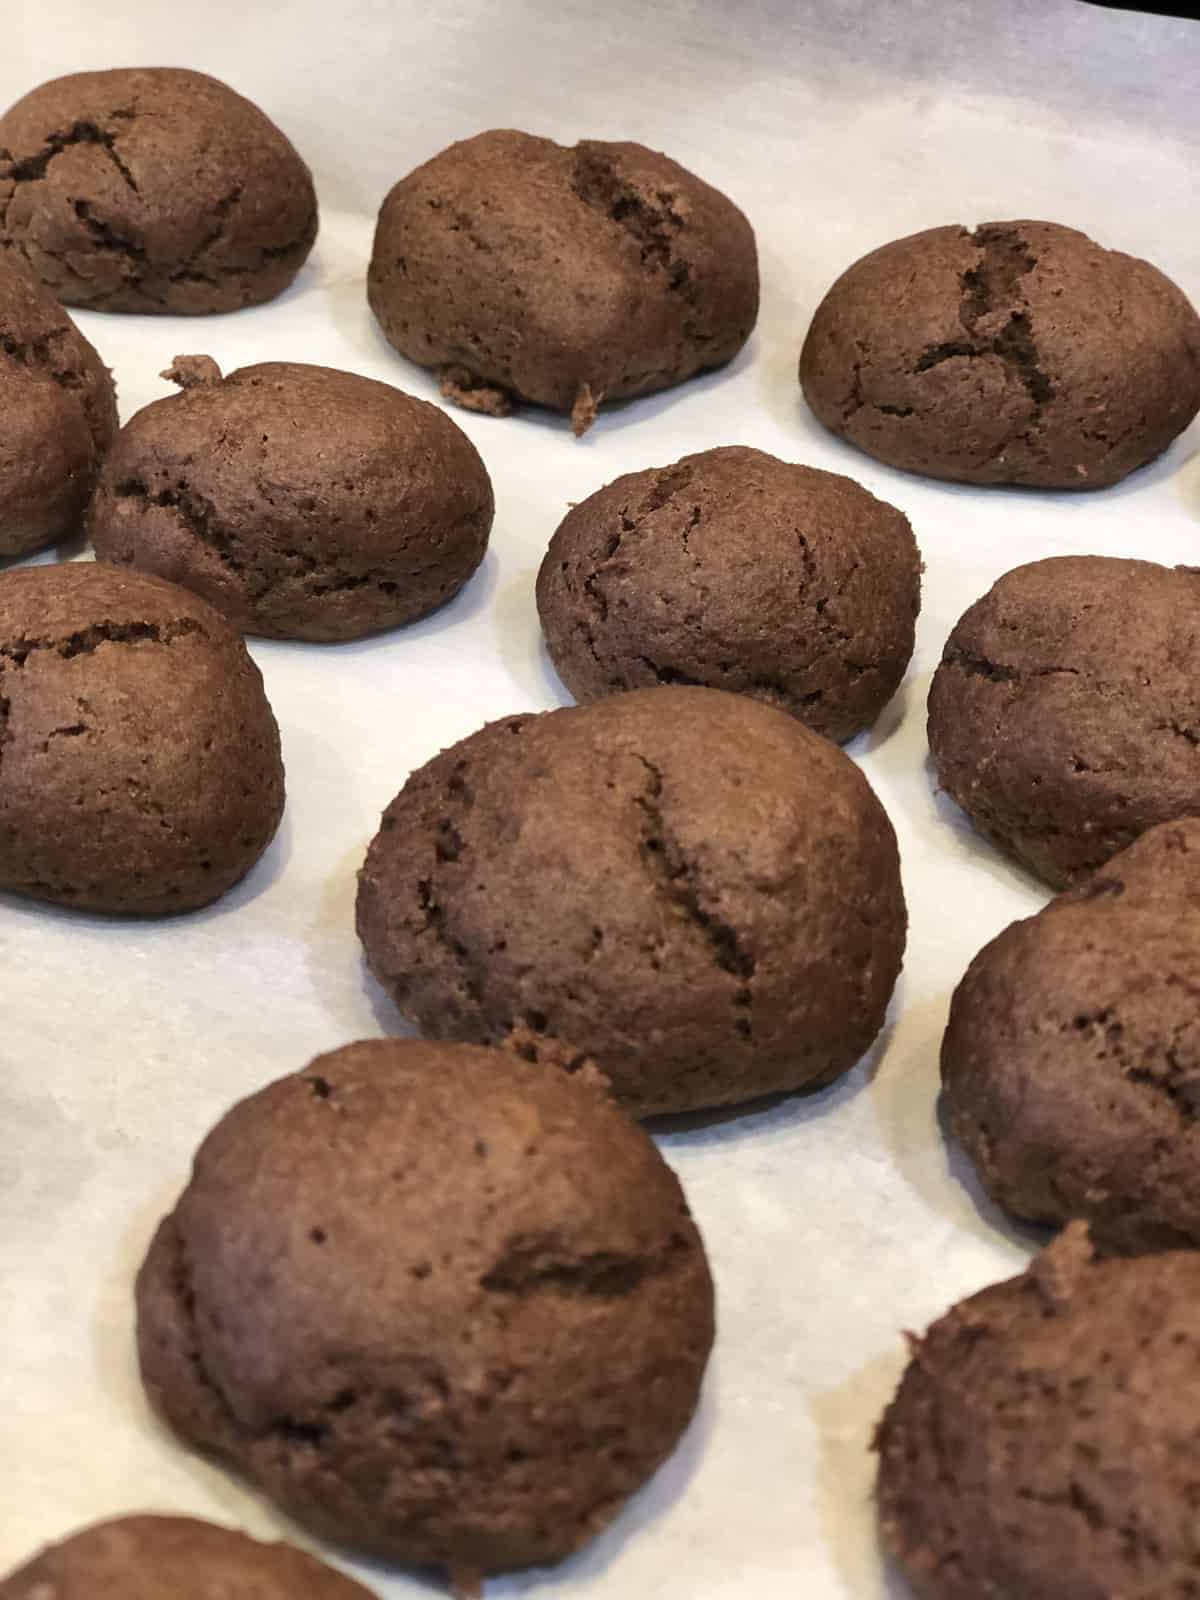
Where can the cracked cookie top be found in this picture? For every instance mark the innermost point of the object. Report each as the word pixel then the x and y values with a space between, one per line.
pixel 303 502
pixel 60 416
pixel 446 1306
pixel 152 189
pixel 149 1557
pixel 139 760
pixel 1071 1061
pixel 737 570
pixel 685 886
pixel 1042 1442
pixel 1021 353
pixel 1064 717
pixel 521 269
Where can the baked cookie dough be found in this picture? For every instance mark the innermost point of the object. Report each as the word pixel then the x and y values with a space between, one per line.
pixel 686 887
pixel 1042 1443
pixel 173 1558
pixel 521 269
pixel 60 416
pixel 303 502
pixel 1071 1063
pixel 1065 714
pixel 740 571
pixel 139 759
pixel 445 1306
pixel 152 189
pixel 1022 353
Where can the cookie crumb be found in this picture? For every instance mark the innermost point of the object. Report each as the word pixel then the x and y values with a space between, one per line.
pixel 583 412
pixel 474 394
pixel 591 1074
pixel 1058 1269
pixel 533 1044
pixel 193 372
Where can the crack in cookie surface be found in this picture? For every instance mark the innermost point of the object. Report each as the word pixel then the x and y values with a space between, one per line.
pixel 32 169
pixel 990 289
pixel 87 640
pixel 671 871
pixel 649 216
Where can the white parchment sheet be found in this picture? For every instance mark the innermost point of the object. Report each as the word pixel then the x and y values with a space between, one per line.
pixel 833 1221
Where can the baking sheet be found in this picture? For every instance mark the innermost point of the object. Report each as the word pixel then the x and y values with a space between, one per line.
pixel 833 1221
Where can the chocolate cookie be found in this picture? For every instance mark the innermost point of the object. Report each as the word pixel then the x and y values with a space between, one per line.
pixel 685 886
pixel 739 571
pixel 1042 1444
pixel 139 760
pixel 521 269
pixel 445 1306
pixel 302 502
pixel 60 416
pixel 153 189
pixel 173 1558
pixel 1065 714
pixel 1071 1063
pixel 1021 353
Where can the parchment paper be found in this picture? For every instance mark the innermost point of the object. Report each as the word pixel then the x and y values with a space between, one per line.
pixel 833 1221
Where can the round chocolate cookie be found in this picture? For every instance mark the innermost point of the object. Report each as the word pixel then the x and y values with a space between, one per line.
pixel 445 1306
pixel 521 269
pixel 686 887
pixel 173 1558
pixel 153 189
pixel 60 416
pixel 303 502
pixel 1021 353
pixel 1071 1063
pixel 1042 1443
pixel 739 571
pixel 1065 714
pixel 139 760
